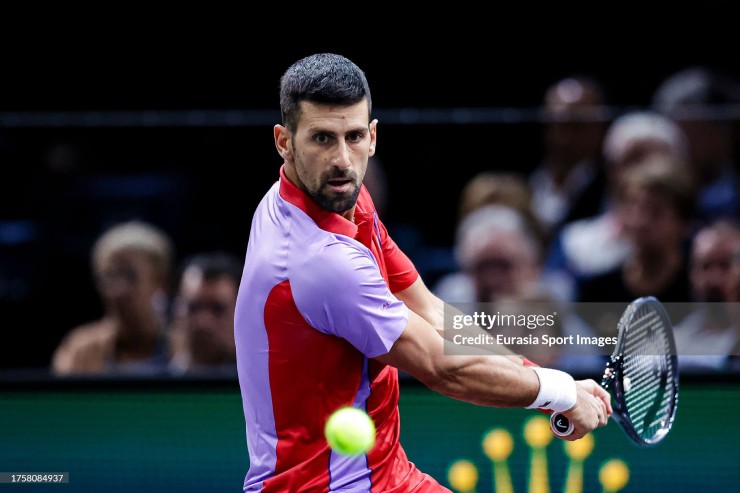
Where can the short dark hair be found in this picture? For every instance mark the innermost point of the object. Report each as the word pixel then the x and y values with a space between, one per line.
pixel 322 78
pixel 214 265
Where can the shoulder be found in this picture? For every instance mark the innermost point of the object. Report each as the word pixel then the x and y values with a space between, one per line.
pixel 336 261
pixel 84 349
pixel 89 335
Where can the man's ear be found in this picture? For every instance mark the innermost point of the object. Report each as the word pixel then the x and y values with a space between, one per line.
pixel 373 136
pixel 282 142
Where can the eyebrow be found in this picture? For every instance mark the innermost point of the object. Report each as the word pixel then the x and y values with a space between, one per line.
pixel 321 129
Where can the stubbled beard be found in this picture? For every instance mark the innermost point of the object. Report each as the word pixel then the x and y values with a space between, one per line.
pixel 330 200
pixel 334 202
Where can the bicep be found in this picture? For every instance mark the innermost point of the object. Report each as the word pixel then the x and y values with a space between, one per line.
pixel 417 351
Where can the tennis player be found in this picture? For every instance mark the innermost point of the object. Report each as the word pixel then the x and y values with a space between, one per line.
pixel 329 309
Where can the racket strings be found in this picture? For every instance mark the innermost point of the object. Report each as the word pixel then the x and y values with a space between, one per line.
pixel 648 371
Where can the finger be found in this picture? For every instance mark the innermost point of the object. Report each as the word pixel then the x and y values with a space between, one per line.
pixel 577 434
pixel 605 397
pixel 608 404
pixel 599 410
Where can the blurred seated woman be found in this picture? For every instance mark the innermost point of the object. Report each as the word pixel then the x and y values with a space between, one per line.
pixel 131 263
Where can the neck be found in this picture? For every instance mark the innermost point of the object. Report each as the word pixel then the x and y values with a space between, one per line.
pixel 292 176
pixel 349 215
pixel 135 326
pixel 135 342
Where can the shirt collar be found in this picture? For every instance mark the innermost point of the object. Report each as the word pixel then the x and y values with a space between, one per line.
pixel 328 221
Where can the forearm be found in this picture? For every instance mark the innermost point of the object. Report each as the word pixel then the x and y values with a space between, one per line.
pixel 494 381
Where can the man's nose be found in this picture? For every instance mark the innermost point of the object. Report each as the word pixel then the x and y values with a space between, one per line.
pixel 342 156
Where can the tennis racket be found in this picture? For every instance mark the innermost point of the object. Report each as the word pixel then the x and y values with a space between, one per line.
pixel 642 374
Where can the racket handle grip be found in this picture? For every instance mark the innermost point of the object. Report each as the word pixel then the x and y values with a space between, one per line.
pixel 560 425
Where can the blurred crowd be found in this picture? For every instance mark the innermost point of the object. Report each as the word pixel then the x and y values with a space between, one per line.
pixel 645 202
pixel 151 326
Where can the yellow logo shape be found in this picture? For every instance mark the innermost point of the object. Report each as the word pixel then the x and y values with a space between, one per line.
pixel 498 445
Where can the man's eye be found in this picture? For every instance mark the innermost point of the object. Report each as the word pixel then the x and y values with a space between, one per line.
pixel 355 137
pixel 321 138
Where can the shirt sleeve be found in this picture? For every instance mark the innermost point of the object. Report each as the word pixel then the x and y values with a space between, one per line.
pixel 401 271
pixel 340 291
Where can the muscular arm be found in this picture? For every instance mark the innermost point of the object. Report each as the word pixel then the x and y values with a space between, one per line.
pixel 349 298
pixel 420 300
pixel 495 380
pixel 492 381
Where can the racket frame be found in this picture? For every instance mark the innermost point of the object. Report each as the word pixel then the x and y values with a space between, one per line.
pixel 614 377
pixel 614 374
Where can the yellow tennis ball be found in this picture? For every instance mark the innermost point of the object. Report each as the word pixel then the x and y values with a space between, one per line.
pixel 350 431
pixel 614 475
pixel 498 444
pixel 463 475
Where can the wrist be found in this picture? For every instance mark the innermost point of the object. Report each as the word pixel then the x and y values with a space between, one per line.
pixel 557 391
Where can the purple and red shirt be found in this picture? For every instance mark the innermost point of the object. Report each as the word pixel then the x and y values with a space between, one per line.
pixel 315 306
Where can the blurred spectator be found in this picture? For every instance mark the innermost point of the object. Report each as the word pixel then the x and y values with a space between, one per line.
pixel 498 254
pixel 732 293
pixel 491 187
pixel 131 263
pixel 697 99
pixel 594 245
pixel 711 260
pixel 83 186
pixel 569 183
pixel 707 336
pixel 656 201
pixel 203 326
pixel 487 188
pixel 500 260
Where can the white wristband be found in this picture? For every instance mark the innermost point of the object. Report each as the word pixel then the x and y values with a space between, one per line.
pixel 557 390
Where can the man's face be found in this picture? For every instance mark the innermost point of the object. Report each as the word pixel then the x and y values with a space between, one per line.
pixel 650 220
pixel 207 307
pixel 329 152
pixel 128 280
pixel 576 134
pixel 711 263
pixel 503 266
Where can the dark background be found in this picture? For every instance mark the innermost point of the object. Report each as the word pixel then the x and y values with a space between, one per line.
pixel 64 181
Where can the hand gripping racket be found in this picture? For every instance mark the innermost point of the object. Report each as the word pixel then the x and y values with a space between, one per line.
pixel 642 375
